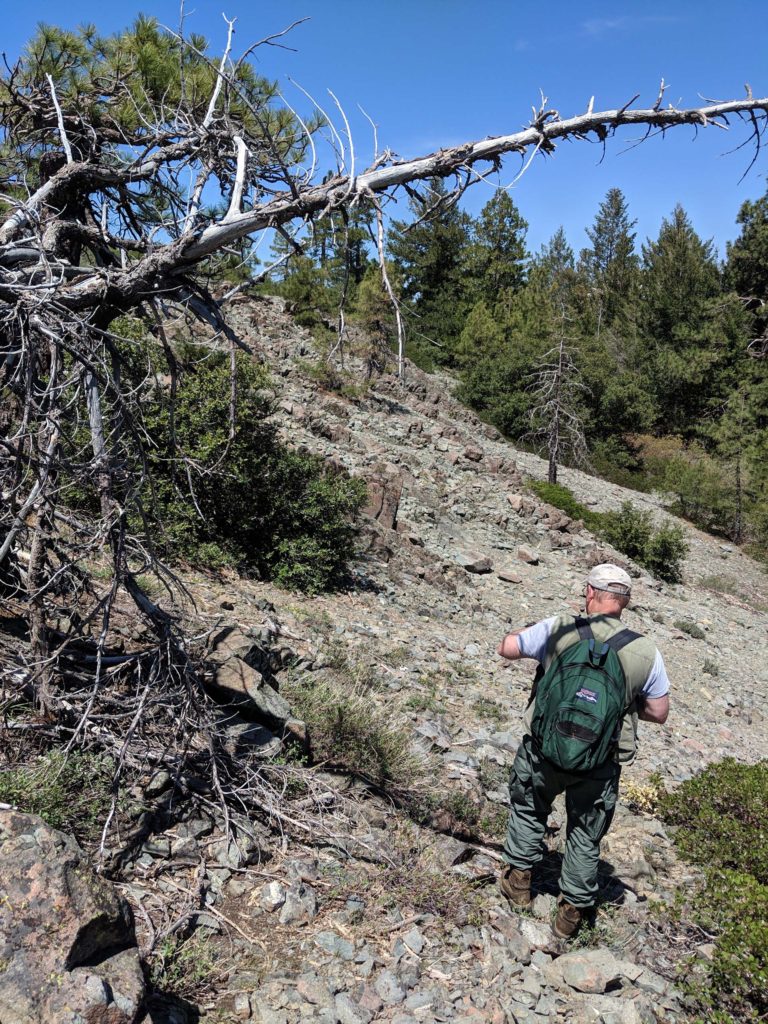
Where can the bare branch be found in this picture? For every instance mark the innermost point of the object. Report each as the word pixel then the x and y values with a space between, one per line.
pixel 220 78
pixel 62 131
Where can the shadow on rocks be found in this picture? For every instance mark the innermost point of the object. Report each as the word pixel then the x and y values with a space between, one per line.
pixel 546 876
pixel 167 1009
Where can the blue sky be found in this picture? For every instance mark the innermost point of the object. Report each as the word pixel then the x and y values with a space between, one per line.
pixel 437 72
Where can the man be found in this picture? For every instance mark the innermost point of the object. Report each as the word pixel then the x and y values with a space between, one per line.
pixel 590 796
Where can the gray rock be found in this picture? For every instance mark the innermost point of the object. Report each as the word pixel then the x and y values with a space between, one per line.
pixel 159 847
pixel 446 851
pixel 388 988
pixel 508 576
pixel 543 906
pixel 241 1006
pixel 349 1012
pixel 249 738
pixel 414 940
pixel 232 656
pixel 649 981
pixel 300 904
pixel 537 934
pixel 478 565
pixel 590 970
pixel 421 1001
pixel 56 917
pixel 158 783
pixel 264 1014
pixel 436 732
pixel 334 944
pixel 185 850
pixel 314 990
pixel 272 896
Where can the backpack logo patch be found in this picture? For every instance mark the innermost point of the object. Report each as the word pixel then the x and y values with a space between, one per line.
pixel 588 695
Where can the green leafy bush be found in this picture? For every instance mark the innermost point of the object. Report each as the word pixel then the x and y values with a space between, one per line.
pixel 722 819
pixel 564 499
pixel 72 793
pixel 734 907
pixel 658 549
pixel 691 628
pixel 239 497
pixel 722 814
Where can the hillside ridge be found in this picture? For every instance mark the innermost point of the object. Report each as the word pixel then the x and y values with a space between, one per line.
pixel 351 901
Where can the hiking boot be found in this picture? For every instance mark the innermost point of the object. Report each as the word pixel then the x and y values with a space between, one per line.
pixel 568 919
pixel 516 885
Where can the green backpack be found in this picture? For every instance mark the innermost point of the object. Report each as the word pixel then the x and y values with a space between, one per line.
pixel 580 702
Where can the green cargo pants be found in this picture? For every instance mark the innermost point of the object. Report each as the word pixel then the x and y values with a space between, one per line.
pixel 589 801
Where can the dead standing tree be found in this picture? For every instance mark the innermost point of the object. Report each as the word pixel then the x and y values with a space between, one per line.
pixel 555 389
pixel 112 151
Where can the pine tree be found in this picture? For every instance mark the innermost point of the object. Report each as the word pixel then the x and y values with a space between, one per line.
pixel 482 337
pixel 554 263
pixel 375 315
pixel 610 265
pixel 498 255
pixel 691 332
pixel 747 266
pixel 431 256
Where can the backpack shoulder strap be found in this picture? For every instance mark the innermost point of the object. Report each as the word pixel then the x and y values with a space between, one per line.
pixel 584 628
pixel 622 638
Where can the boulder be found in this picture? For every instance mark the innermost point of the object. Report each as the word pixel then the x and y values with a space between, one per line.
pixel 593 970
pixel 475 563
pixel 529 555
pixel 233 656
pixel 67 940
pixel 384 492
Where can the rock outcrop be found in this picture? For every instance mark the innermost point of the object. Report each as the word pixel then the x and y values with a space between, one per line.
pixel 67 944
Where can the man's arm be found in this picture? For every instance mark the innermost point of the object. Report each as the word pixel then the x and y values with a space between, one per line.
pixel 653 709
pixel 509 647
pixel 533 644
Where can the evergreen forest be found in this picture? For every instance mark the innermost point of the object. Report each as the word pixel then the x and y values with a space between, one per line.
pixel 654 349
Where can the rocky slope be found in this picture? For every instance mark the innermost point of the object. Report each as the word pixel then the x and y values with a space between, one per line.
pixel 376 917
pixel 462 551
pixel 402 923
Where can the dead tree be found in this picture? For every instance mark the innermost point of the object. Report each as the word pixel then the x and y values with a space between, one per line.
pixel 555 389
pixel 108 171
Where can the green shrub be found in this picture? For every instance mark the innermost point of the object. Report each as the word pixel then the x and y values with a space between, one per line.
pixel 659 550
pixel 72 793
pixel 664 552
pixel 630 530
pixel 734 907
pixel 240 498
pixel 722 814
pixel 691 628
pixel 722 819
pixel 185 966
pixel 562 498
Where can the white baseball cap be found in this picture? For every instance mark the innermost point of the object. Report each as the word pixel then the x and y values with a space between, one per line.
pixel 608 576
